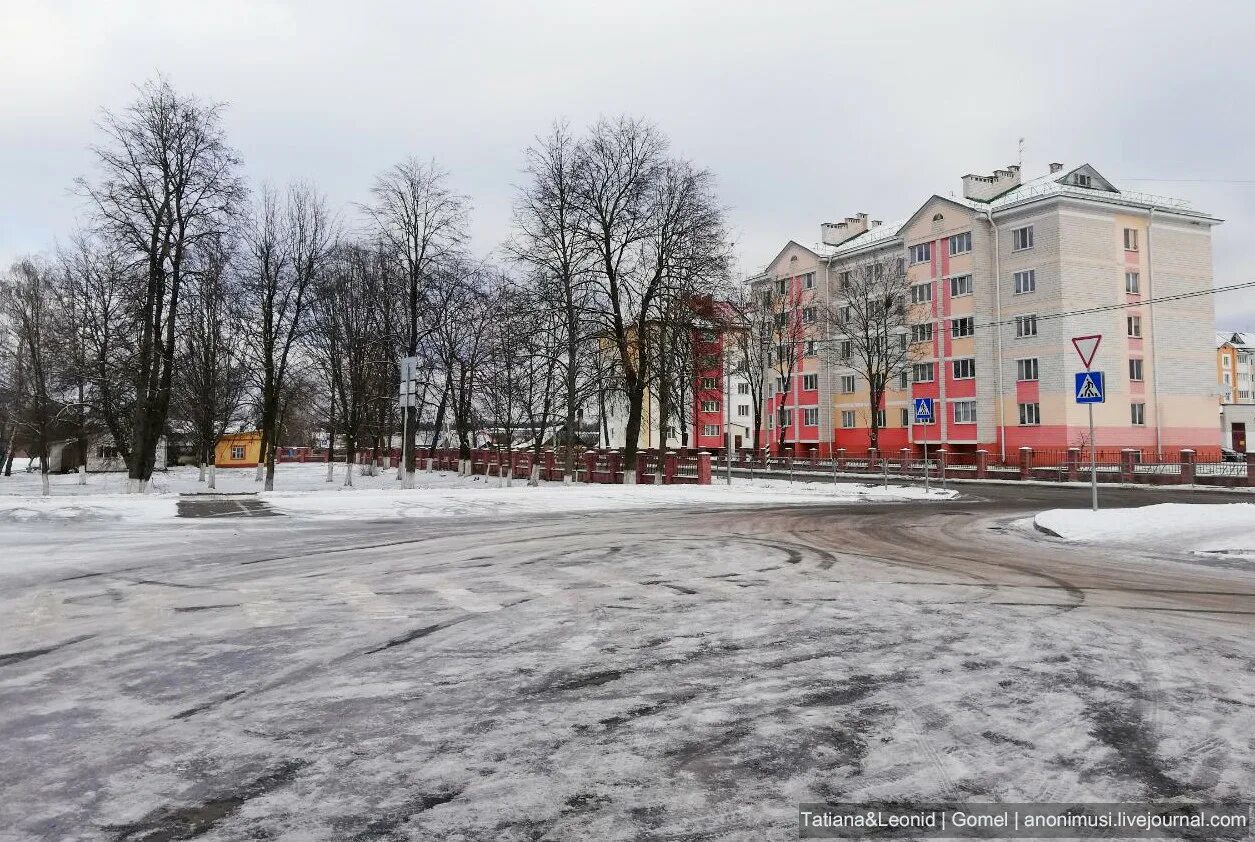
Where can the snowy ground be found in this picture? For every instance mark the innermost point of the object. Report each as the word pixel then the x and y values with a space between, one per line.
pixel 1219 531
pixel 302 490
pixel 679 673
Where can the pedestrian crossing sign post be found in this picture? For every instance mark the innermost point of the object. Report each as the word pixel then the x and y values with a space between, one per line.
pixel 1090 387
pixel 923 410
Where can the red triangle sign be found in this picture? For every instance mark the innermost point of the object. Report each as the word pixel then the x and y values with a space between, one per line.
pixel 1087 347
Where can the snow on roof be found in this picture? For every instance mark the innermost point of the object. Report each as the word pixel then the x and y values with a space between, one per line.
pixel 1057 184
pixel 870 237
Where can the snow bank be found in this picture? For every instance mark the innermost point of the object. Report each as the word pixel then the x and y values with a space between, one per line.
pixel 1205 528
pixel 491 501
pixel 302 490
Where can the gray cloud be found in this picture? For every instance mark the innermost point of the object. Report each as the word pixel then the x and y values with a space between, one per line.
pixel 805 111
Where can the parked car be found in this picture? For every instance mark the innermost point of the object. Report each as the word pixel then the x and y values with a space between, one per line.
pixel 1228 455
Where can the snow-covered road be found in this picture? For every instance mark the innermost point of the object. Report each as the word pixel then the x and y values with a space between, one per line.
pixel 682 673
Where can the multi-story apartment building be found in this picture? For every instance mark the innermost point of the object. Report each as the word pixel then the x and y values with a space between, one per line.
pixel 1005 275
pixel 1235 367
pixel 718 399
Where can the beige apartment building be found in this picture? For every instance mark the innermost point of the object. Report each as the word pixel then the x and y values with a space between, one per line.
pixel 1002 276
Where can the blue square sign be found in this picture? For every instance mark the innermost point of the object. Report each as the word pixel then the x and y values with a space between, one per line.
pixel 1090 387
pixel 923 410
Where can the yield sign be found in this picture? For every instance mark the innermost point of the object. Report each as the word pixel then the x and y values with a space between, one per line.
pixel 1087 347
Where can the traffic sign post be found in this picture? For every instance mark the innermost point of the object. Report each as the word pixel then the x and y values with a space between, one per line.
pixel 409 369
pixel 924 415
pixel 1091 388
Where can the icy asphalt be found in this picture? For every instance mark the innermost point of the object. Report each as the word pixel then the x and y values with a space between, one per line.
pixel 681 674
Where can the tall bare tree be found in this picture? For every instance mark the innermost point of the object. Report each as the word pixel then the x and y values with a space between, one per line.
pixel 286 248
pixel 548 241
pixel 423 223
pixel 870 323
pixel 213 381
pixel 656 233
pixel 28 298
pixel 750 348
pixel 167 180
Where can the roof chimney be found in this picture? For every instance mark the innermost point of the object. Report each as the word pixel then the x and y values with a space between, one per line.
pixel 1055 167
pixel 836 233
pixel 983 188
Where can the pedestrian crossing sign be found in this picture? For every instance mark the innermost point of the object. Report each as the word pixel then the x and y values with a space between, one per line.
pixel 1090 387
pixel 923 410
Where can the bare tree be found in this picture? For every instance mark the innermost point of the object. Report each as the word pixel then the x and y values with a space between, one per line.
pixel 464 305
pixel 213 381
pixel 548 241
pixel 29 301
pixel 167 181
pixel 750 348
pixel 778 311
pixel 287 244
pixel 657 234
pixel 870 325
pixel 423 224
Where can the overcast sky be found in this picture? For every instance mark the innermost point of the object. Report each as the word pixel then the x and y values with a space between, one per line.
pixel 805 112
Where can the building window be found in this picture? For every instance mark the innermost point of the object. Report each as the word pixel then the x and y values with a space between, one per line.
pixel 905 417
pixel 1026 369
pixel 1226 362
pixel 847 418
pixel 810 381
pixel 904 379
pixel 808 314
pixel 808 280
pixel 780 385
pixel 1227 378
pixel 810 417
pixel 784 285
pixel 881 420
pixel 843 281
pixel 1130 239
pixel 743 410
pixel 710 430
pixel 964 369
pixel 1137 414
pixel 1030 414
pixel 922 333
pixel 1132 283
pixel 771 421
pixel 1081 180
pixel 902 340
pixel 742 388
pixel 787 417
pixel 710 382
pixel 961 285
pixel 237 453
pixel 1135 327
pixel 847 349
pixel 810 347
pixel 1025 281
pixel 1022 238
pixel 921 293
pixel 922 372
pixel 965 412
pixel 847 384
pixel 962 327
pixel 1135 369
pixel 1025 326
pixel 961 243
pixel 921 253
pixel 710 406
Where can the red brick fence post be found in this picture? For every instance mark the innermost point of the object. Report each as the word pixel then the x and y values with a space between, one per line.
pixel 982 464
pixel 873 458
pixel 1074 464
pixel 1250 469
pixel 1187 467
pixel 1026 463
pixel 840 458
pixel 671 465
pixel 703 468
pixel 1127 464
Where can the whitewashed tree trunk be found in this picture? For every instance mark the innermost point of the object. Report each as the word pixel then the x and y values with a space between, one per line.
pixel 331 467
pixel 261 472
pixel 430 463
pixel 534 479
pixel 629 477
pixel 348 472
pixel 82 475
pixel 44 487
pixel 201 476
pixel 213 476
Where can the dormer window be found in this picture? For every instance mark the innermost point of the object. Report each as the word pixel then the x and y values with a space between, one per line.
pixel 1081 180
